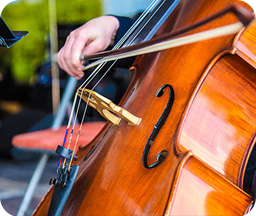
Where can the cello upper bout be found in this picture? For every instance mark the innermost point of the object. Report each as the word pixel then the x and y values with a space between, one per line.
pixel 245 44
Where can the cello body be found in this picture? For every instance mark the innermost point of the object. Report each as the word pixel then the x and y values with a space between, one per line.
pixel 208 134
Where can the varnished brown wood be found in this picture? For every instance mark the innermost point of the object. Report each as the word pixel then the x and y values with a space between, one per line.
pixel 245 17
pixel 208 194
pixel 214 94
pixel 246 45
pixel 224 102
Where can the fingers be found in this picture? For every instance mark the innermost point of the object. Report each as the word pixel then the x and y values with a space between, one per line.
pixel 94 36
pixel 69 56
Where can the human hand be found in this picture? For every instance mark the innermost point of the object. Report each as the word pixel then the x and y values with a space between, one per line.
pixel 94 36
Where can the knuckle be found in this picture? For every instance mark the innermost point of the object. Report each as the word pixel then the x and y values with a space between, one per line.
pixel 99 45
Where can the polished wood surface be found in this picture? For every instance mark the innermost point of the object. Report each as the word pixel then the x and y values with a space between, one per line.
pixel 220 121
pixel 246 45
pixel 208 134
pixel 208 194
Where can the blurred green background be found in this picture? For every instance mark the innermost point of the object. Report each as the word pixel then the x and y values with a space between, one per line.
pixel 26 87
pixel 23 58
pixel 25 67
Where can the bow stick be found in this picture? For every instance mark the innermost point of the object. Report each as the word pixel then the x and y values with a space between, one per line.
pixel 166 41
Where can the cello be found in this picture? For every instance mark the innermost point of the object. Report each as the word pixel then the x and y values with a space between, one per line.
pixel 202 94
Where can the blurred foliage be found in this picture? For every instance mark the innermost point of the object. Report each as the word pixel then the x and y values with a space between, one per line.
pixel 32 16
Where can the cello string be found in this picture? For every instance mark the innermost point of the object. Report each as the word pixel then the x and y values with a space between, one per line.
pixel 83 86
pixel 67 129
pixel 127 34
pixel 118 45
pixel 96 71
pixel 121 41
pixel 84 114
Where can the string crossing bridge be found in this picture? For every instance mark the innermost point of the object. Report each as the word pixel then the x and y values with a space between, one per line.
pixel 107 108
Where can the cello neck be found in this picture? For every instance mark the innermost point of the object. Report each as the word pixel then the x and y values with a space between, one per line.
pixel 152 19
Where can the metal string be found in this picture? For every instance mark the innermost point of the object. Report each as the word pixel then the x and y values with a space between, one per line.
pixel 94 73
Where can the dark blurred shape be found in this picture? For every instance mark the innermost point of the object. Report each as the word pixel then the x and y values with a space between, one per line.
pixel 7 37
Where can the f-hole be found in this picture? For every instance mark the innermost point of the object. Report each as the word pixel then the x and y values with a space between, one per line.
pixel 161 156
